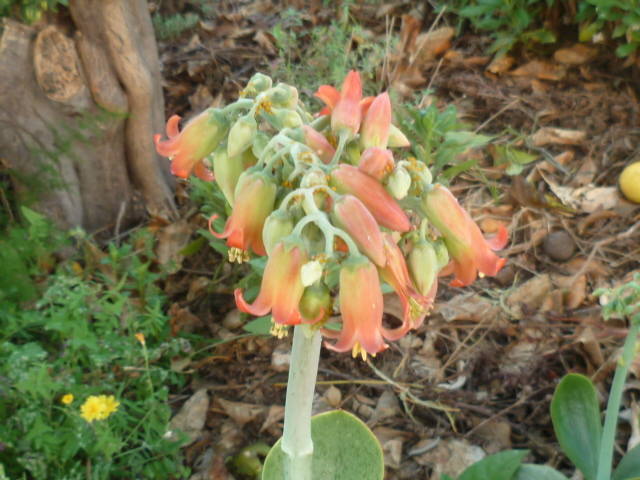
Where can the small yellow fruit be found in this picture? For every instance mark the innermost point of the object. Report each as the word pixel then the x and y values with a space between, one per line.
pixel 630 182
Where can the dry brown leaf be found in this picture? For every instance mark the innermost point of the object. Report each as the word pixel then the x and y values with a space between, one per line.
pixel 391 442
pixel 575 55
pixel 198 288
pixel 530 295
pixel 265 40
pixel 540 70
pixel 497 434
pixel 591 347
pixel 192 416
pixel 387 407
pixel 525 194
pixel 201 98
pixel 467 306
pixel 558 136
pixel 500 65
pixel 171 240
pixel 274 416
pixel 242 413
pixel 281 357
pixel 431 44
pixel 585 174
pixel 182 320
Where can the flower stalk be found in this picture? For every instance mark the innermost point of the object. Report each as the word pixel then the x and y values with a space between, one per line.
pixel 296 439
pixel 613 405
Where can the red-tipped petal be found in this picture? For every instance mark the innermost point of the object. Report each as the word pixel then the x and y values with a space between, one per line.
pixel 172 126
pixel 329 95
pixel 500 239
pixel 352 87
pixel 365 104
pixel 259 308
pixel 203 173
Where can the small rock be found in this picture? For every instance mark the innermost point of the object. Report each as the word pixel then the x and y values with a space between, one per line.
pixel 559 246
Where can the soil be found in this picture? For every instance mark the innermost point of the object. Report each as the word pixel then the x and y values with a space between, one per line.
pixel 493 352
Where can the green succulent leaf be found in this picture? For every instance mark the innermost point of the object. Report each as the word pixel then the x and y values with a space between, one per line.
pixel 629 466
pixel 343 448
pixel 500 466
pixel 576 419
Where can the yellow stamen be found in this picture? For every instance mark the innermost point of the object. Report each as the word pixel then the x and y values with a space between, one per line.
pixel 278 330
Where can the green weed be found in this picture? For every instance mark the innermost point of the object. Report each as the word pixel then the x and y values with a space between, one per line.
pixel 77 341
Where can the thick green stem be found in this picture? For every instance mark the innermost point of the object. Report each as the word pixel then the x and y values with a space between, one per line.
pixel 296 438
pixel 613 406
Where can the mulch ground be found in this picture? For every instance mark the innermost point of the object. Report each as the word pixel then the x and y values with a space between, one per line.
pixel 482 371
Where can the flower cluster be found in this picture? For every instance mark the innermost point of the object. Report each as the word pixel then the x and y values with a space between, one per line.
pixel 98 407
pixel 333 207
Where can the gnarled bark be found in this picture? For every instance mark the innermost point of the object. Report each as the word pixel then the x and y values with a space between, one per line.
pixel 79 105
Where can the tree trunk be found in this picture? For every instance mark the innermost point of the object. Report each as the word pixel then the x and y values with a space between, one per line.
pixel 79 104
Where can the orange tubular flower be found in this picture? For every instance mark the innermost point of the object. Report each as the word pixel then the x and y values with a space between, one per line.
pixel 319 144
pixel 346 108
pixel 361 307
pixel 414 305
pixel 352 216
pixel 348 179
pixel 187 149
pixel 376 123
pixel 254 200
pixel 282 286
pixel 469 250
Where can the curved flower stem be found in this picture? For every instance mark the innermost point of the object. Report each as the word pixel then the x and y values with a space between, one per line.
pixel 342 141
pixel 613 406
pixel 296 438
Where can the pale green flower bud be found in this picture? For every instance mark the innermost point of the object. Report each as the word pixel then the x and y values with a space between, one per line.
pixel 397 138
pixel 284 96
pixel 422 264
pixel 313 177
pixel 227 172
pixel 441 253
pixel 398 183
pixel 277 226
pixel 259 143
pixel 242 134
pixel 316 303
pixel 280 118
pixel 260 82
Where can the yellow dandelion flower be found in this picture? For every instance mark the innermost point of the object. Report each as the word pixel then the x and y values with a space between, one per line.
pixel 109 405
pixel 67 399
pixel 140 337
pixel 92 409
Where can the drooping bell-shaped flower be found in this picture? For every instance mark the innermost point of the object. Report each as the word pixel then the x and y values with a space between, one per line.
pixel 319 144
pixel 346 113
pixel 376 124
pixel 282 287
pixel 349 214
pixel 470 251
pixel 376 162
pixel 348 179
pixel 415 306
pixel 361 308
pixel 254 200
pixel 187 148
